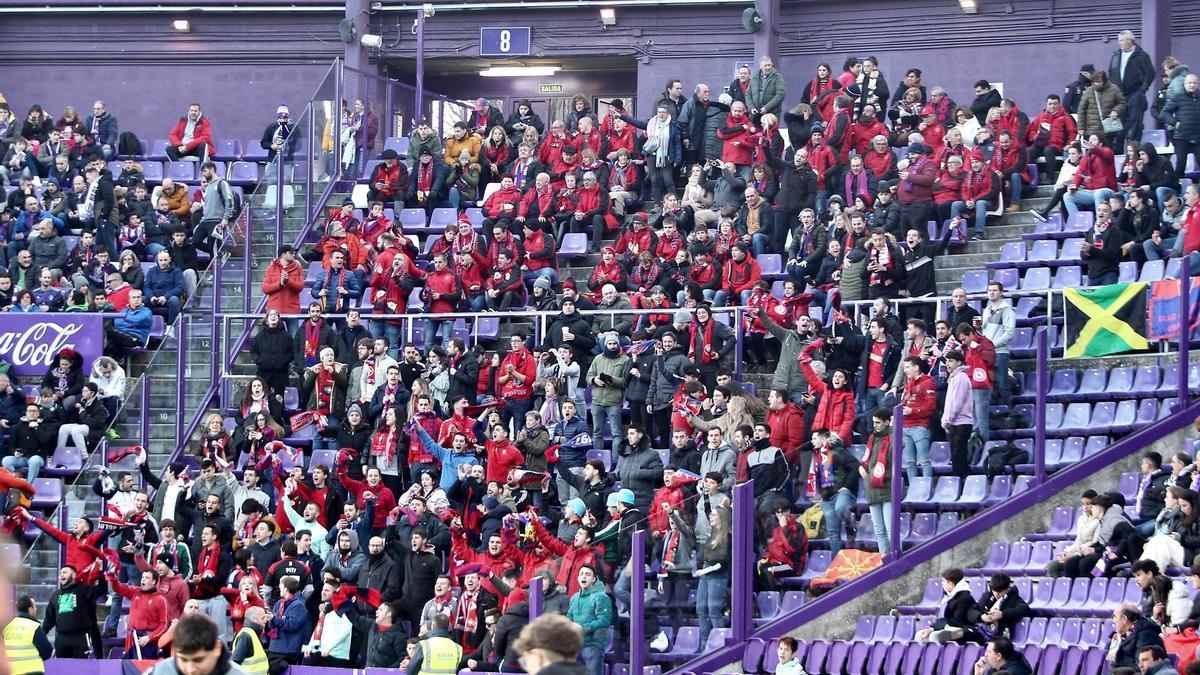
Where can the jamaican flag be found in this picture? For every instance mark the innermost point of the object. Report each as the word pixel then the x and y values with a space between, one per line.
pixel 1106 320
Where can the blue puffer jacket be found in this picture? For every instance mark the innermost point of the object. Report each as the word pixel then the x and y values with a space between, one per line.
pixel 135 322
pixel 290 628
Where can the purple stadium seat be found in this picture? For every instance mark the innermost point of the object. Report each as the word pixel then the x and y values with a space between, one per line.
pixel 885 628
pixel 686 644
pixel 1167 409
pixel 1043 590
pixel 1082 221
pixel 1147 412
pixel 911 660
pixel 1022 340
pixel 929 603
pixel 939 455
pixel 1156 136
pixel 1152 270
pixel 924 527
pixel 1125 415
pixel 442 217
pixel 1146 381
pixel 772 266
pixel 229 150
pixel 412 220
pixel 974 281
pixel 181 172
pixel 1075 418
pixel 1035 279
pixel 1051 227
pixel 67 461
pixel 1064 382
pixel 864 628
pixel 792 600
pixel 949 657
pixel 574 246
pixel 771 656
pixel 152 171
pixel 1011 253
pixel 815 659
pixel 768 604
pixel 1104 415
pixel 1070 253
pixel 1073 658
pixel 997 557
pixel 253 151
pixel 1093 633
pixel 1043 251
pixel 1040 555
pixel 1000 490
pixel 818 562
pixel 1008 277
pixel 919 491
pixel 158 149
pixel 49 492
pixel 856 660
pixel 752 657
pixel 1068 276
pixel 1127 272
pixel 243 173
pixel 946 491
pixel 1174 268
pixel 974 492
pixel 895 654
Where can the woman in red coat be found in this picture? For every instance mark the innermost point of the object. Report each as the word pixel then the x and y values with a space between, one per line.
pixel 741 137
pixel 835 412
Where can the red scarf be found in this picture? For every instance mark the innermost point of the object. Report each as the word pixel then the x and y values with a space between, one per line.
pixel 207 565
pixel 466 616
pixel 312 339
pixel 880 467
pixel 324 391
pixel 707 355
pixel 383 444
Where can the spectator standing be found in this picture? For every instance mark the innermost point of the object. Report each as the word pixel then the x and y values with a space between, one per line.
pixel 999 324
pixel 876 468
pixel 980 356
pixel 958 412
pixel 1181 114
pixel 591 609
pixel 1131 70
pixel 289 626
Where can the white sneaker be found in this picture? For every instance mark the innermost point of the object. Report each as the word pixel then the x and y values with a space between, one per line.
pixel 659 643
pixel 169 332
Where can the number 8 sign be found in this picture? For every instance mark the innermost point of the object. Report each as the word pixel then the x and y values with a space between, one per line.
pixel 501 41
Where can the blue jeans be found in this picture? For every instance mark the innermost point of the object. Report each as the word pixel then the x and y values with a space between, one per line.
pixel 531 276
pixel 881 519
pixel 708 294
pixel 821 203
pixel 433 328
pixel 1084 198
pixel 982 398
pixel 1155 252
pixel 152 250
pixel 837 513
pixel 592 656
pixel 33 463
pixel 1015 184
pixel 391 331
pixel 328 441
pixel 710 602
pixel 612 415
pixel 622 590
pixel 760 243
pixel 1003 384
pixel 916 452
pixel 982 206
pixel 1102 279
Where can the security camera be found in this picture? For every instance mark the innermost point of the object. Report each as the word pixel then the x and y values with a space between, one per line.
pixel 371 41
pixel 428 10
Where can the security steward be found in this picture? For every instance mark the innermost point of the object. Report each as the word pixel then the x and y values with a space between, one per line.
pixel 436 654
pixel 26 646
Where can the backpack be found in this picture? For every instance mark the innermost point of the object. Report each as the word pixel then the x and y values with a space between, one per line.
pixel 237 201
pixel 1004 459
pixel 128 144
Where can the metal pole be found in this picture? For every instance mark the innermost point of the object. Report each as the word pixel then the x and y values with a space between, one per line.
pixel 420 64
pixel 897 479
pixel 1039 410
pixel 536 597
pixel 637 603
pixel 337 123
pixel 180 373
pixel 247 254
pixel 310 181
pixel 1185 332
pixel 743 560
pixel 739 352
pixel 145 423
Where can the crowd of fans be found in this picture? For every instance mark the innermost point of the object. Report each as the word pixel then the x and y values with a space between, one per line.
pixel 453 476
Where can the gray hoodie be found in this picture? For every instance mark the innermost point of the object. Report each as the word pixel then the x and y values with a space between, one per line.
pixel 999 322
pixel 346 566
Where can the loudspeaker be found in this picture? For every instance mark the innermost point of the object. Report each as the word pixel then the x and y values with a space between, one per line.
pixel 346 30
pixel 751 20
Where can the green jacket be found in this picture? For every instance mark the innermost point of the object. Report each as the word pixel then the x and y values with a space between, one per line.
pixel 592 609
pixel 616 368
pixel 766 96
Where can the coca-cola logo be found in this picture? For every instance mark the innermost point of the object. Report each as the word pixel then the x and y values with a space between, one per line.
pixel 37 344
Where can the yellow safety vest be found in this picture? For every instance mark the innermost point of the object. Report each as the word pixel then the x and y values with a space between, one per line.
pixel 441 656
pixel 256 663
pixel 23 657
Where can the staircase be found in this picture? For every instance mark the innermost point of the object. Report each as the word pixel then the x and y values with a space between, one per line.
pixel 950 268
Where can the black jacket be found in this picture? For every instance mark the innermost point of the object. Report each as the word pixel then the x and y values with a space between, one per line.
pixel 1183 109
pixel 1072 93
pixel 75 624
pixel 1104 258
pixel 891 361
pixel 1139 72
pixel 385 649
pixel 464 378
pixel 326 338
pixel 1143 634
pixel 382 574
pixel 1012 609
pixel 1156 494
pixel 272 348
pixel 32 440
pixel 581 346
pixel 957 612
pixel 507 627
pixel 985 102
pixel 797 185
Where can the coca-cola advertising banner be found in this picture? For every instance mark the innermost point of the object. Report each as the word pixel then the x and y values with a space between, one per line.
pixel 30 341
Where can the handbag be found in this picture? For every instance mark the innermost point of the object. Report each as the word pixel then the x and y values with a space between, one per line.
pixel 1111 125
pixel 813 521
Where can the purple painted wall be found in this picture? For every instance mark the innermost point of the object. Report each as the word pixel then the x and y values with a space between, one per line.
pixel 240 66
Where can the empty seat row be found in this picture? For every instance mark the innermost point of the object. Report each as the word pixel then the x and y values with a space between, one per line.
pixel 1101 384
pixel 155 171
pixel 1104 417
pixel 1020 254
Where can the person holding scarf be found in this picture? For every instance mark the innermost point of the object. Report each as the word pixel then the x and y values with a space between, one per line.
pixel 833 479
pixel 147 615
pixel 373 491
pixel 288 627
pixel 662 150
pixel 466 624
pixel 514 380
pixel 324 391
pixel 877 470
pixel 388 294
pixel 1101 248
pixel 241 599
pixel 835 411
pixel 884 272
pixel 821 91
pixel 384 443
pixel 709 343
pixel 313 336
pixel 212 568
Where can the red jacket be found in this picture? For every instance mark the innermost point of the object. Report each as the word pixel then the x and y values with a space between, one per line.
pixel 1062 129
pixel 920 397
pixel 667 247
pixel 385 501
pixel 980 361
pixel 495 246
pixel 983 185
pixel 948 187
pixel 835 412
pixel 861 135
pixel 1013 160
pixel 739 141
pixel 592 140
pixel 503 203
pixel 644 238
pixel 462 554
pixel 741 276
pixel 523 363
pixel 919 186
pixel 1191 230
pixel 880 163
pixel 147 611
pixel 446 284
pixel 283 296
pixel 82 554
pixel 201 134
pixel 539 252
pixel 1096 170
pixel 471 278
pixel 822 160
pixel 660 522
pixel 626 139
pixel 572 558
pixel 787 430
pixel 502 458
